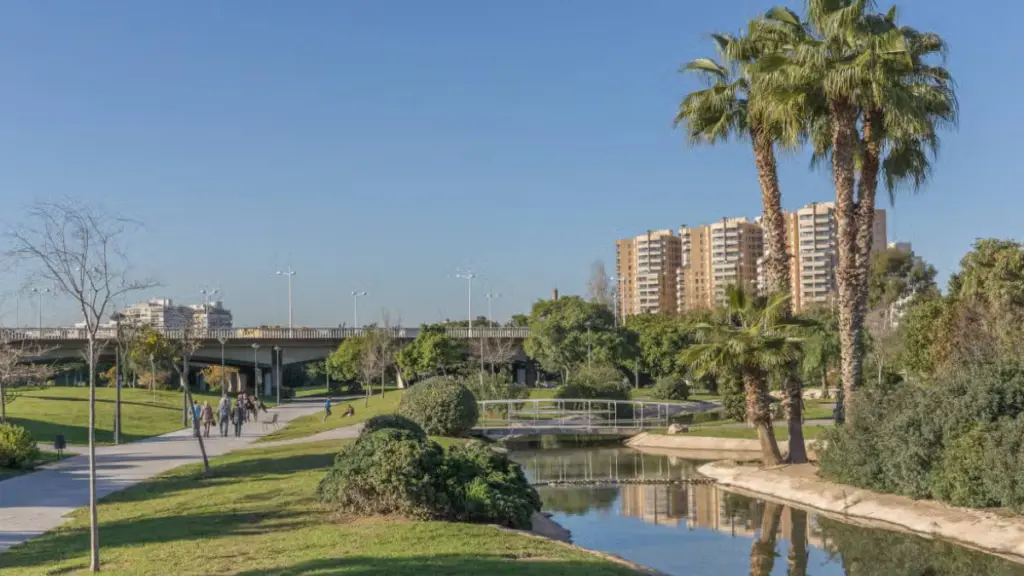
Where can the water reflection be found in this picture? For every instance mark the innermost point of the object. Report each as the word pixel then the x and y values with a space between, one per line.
pixel 699 529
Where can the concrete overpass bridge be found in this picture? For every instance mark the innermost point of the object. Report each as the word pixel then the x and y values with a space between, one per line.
pixel 270 348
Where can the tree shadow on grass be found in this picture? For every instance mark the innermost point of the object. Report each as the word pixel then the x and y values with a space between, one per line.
pixel 151 404
pixel 455 565
pixel 46 431
pixel 71 543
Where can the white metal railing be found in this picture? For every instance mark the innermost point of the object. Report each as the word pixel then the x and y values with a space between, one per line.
pixel 105 333
pixel 575 414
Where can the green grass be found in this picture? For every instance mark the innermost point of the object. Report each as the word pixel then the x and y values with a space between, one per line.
pixel 257 515
pixel 637 394
pixel 46 412
pixel 45 457
pixel 305 426
pixel 542 392
pixel 781 432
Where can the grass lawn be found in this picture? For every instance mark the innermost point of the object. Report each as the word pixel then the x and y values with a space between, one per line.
pixel 45 457
pixel 781 432
pixel 257 515
pixel 46 412
pixel 308 425
pixel 637 394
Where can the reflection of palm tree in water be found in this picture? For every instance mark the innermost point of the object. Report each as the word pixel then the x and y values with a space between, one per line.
pixel 762 553
pixel 797 543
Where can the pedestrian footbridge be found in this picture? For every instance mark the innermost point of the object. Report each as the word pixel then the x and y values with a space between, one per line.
pixel 506 419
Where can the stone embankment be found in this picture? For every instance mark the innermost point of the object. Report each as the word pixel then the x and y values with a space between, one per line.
pixel 999 534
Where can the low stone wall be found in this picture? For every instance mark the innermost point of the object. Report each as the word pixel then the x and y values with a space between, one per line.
pixel 800 485
pixel 695 447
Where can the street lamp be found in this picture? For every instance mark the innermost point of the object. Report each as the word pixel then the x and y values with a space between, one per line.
pixel 355 307
pixel 116 317
pixel 208 295
pixel 289 274
pixel 40 292
pixel 256 368
pixel 468 276
pixel 615 299
pixel 278 373
pixel 490 296
pixel 223 387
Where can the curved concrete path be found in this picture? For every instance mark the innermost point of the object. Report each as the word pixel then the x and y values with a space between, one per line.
pixel 33 503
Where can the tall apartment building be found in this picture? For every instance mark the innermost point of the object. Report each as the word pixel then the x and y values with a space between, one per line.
pixel 646 268
pixel 163 313
pixel 716 256
pixel 811 244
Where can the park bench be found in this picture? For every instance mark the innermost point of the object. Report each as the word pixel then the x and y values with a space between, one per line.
pixel 272 421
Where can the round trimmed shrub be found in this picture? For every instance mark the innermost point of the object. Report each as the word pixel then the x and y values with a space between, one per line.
pixel 392 421
pixel 389 471
pixel 670 388
pixel 484 486
pixel 17 448
pixel 441 406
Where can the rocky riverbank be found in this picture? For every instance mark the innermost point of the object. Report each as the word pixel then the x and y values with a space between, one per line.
pixel 988 531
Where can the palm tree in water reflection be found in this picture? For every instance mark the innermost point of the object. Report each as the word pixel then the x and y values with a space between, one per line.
pixel 762 553
pixel 797 543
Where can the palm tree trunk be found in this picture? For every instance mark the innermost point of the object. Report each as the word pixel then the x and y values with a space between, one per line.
pixel 797 543
pixel 844 144
pixel 760 416
pixel 762 553
pixel 776 259
pixel 793 403
pixel 94 527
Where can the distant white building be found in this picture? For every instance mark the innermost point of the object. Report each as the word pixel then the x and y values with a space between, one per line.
pixel 163 313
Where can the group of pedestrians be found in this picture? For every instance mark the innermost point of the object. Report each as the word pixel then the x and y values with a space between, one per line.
pixel 244 408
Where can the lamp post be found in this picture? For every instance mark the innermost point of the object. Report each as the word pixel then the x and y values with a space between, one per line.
pixel 256 368
pixel 223 387
pixel 355 307
pixel 468 277
pixel 208 295
pixel 491 296
pixel 116 317
pixel 615 299
pixel 289 274
pixel 40 292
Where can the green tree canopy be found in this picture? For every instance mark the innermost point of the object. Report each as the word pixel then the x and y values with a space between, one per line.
pixel 432 352
pixel 345 363
pixel 566 332
pixel 896 274
pixel 660 339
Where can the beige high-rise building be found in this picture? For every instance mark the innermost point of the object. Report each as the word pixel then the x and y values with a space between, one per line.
pixel 811 244
pixel 647 270
pixel 716 256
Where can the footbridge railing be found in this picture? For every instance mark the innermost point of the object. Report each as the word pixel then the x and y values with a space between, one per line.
pixel 539 415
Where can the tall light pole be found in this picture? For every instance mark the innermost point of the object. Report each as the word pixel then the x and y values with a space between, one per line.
pixel 256 368
pixel 468 276
pixel 116 317
pixel 615 299
pixel 289 274
pixel 40 292
pixel 278 372
pixel 223 387
pixel 355 307
pixel 208 295
pixel 490 296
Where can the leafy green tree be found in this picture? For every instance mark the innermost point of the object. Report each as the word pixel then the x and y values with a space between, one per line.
pixel 896 275
pixel 660 339
pixel 519 320
pixel 569 332
pixel 431 353
pixel 753 344
pixel 821 346
pixel 345 363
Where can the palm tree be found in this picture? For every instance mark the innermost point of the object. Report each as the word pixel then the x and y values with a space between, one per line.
pixel 821 347
pixel 873 106
pixel 731 106
pixel 750 345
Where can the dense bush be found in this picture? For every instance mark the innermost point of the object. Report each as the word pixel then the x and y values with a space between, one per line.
pixel 393 421
pixel 17 448
pixel 597 383
pixel 386 472
pixel 392 471
pixel 671 388
pixel 495 387
pixel 441 406
pixel 485 486
pixel 734 401
pixel 959 440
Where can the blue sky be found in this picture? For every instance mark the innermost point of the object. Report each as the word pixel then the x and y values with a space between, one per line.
pixel 381 145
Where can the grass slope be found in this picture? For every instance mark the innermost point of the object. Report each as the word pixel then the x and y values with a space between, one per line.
pixel 258 515
pixel 47 412
pixel 781 432
pixel 305 426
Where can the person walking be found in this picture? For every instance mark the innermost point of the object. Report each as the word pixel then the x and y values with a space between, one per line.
pixel 195 418
pixel 224 415
pixel 239 417
pixel 327 408
pixel 206 417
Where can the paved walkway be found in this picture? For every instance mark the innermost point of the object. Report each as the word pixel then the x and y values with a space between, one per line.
pixel 31 504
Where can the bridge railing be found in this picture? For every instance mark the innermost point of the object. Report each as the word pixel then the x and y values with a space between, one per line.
pixel 259 333
pixel 574 414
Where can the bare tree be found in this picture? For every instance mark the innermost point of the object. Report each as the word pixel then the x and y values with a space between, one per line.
pixel 599 287
pixel 183 348
pixel 75 248
pixel 16 370
pixel 492 352
pixel 380 353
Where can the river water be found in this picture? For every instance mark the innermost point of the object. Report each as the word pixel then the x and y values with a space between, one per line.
pixel 703 530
